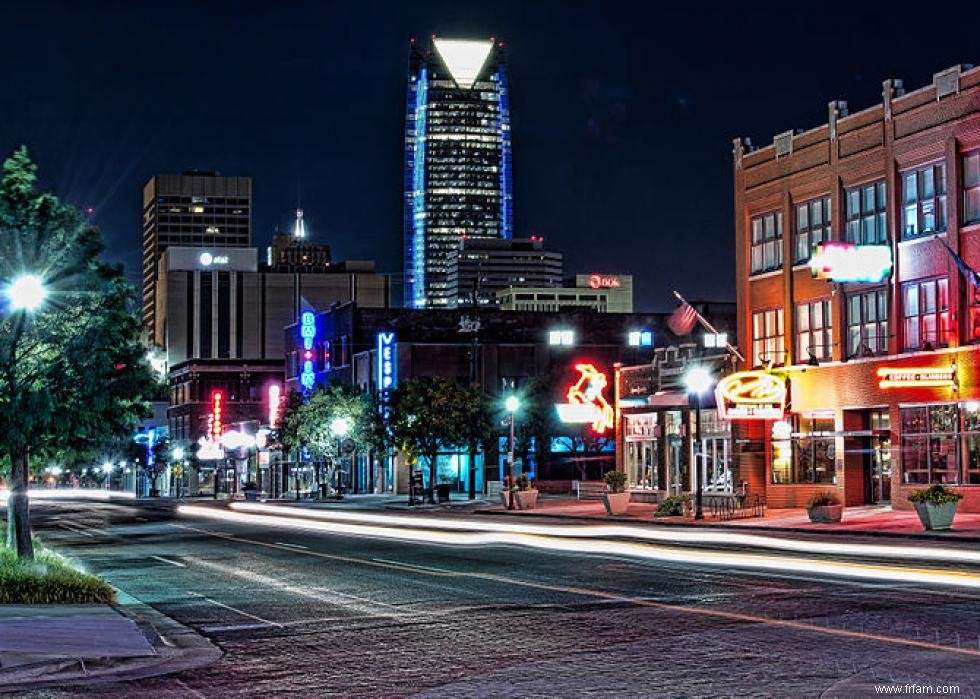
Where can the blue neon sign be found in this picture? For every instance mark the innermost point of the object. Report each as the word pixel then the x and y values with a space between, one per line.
pixel 307 377
pixel 387 364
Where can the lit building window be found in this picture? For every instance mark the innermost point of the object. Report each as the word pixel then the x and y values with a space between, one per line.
pixel 925 313
pixel 867 323
pixel 716 339
pixel 931 444
pixel 807 458
pixel 813 338
pixel 924 199
pixel 641 338
pixel 971 187
pixel 812 227
pixel 767 242
pixel 866 221
pixel 564 338
pixel 768 343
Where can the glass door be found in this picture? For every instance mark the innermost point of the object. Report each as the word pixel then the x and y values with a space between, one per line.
pixel 880 459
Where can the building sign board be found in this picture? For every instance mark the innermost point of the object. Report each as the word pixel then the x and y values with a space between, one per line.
pixel 207 259
pixel 847 262
pixel 600 281
pixel 917 377
pixel 307 375
pixel 387 365
pixel 751 395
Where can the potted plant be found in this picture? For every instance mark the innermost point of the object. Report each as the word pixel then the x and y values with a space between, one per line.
pixel 617 500
pixel 936 506
pixel 526 495
pixel 251 491
pixel 825 507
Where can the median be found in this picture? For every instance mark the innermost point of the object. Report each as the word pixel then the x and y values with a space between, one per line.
pixel 48 579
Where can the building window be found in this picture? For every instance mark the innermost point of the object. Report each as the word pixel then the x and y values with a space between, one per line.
pixel 925 310
pixel 812 227
pixel 563 338
pixel 867 323
pixel 930 444
pixel 866 222
pixel 971 187
pixel 813 323
pixel 924 199
pixel 768 343
pixel 807 454
pixel 767 242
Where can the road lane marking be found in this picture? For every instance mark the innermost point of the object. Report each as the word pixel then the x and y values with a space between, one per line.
pixel 233 609
pixel 167 560
pixel 599 594
pixel 412 565
pixel 294 546
pixel 238 627
pixel 75 529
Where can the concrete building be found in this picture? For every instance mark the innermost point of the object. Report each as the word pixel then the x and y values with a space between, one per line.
pixel 486 266
pixel 195 209
pixel 856 243
pixel 602 293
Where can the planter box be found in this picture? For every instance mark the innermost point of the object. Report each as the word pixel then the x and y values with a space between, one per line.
pixel 616 503
pixel 825 514
pixel 251 495
pixel 936 517
pixel 505 498
pixel 526 499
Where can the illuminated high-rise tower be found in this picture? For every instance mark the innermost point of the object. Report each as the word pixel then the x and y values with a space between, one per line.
pixel 457 159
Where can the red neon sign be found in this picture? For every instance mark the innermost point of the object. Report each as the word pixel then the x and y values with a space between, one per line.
pixel 597 281
pixel 586 402
pixel 214 420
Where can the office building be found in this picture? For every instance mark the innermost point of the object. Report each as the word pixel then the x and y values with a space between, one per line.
pixel 855 245
pixel 601 293
pixel 295 252
pixel 195 209
pixel 457 159
pixel 485 266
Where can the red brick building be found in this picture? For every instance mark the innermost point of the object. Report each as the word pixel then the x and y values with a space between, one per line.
pixel 900 179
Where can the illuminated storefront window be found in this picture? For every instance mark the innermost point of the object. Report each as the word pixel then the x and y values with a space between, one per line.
pixel 933 439
pixel 805 453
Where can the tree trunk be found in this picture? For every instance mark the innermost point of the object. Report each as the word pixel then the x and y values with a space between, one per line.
pixel 18 510
pixel 432 477
pixel 473 450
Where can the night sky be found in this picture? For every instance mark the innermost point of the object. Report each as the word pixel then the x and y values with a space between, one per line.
pixel 623 115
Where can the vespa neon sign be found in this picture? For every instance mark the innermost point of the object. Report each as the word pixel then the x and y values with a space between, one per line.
pixel 387 369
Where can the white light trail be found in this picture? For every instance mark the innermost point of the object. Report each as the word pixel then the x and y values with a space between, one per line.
pixel 605 547
pixel 611 531
pixel 71 494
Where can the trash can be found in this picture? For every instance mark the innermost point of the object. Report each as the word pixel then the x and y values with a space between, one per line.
pixel 442 492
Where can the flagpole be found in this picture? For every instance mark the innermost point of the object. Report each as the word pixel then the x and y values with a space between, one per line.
pixel 709 327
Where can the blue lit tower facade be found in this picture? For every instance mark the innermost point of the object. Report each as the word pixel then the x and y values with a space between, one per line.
pixel 457 159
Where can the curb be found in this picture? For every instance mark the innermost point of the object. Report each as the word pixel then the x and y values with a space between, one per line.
pixel 178 648
pixel 747 528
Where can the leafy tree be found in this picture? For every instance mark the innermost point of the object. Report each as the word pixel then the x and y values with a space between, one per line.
pixel 478 430
pixel 72 372
pixel 308 425
pixel 431 412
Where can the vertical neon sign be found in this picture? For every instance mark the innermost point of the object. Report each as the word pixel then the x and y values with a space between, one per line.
pixel 307 377
pixel 387 371
pixel 274 394
pixel 214 420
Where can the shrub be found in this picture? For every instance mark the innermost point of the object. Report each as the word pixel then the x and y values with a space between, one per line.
pixel 936 495
pixel 672 506
pixel 616 480
pixel 823 499
pixel 48 579
pixel 523 483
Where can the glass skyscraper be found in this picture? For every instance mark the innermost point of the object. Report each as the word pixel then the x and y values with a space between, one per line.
pixel 457 159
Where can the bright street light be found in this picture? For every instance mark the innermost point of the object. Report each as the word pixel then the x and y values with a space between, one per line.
pixel 512 404
pixel 698 380
pixel 26 292
pixel 178 454
pixel 340 426
pixel 106 467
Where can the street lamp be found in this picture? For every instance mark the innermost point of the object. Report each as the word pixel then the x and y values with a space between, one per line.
pixel 512 404
pixel 26 293
pixel 178 454
pixel 698 381
pixel 340 426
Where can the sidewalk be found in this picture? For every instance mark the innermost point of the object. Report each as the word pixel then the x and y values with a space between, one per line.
pixel 49 645
pixel 457 501
pixel 865 520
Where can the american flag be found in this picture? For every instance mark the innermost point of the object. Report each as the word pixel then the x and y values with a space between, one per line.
pixel 682 320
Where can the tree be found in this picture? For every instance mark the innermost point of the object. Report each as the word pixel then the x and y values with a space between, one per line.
pixel 72 371
pixel 309 424
pixel 429 413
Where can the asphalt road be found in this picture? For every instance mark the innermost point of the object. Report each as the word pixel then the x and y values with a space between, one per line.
pixel 315 614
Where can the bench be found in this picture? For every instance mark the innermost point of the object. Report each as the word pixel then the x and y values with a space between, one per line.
pixel 738 504
pixel 589 490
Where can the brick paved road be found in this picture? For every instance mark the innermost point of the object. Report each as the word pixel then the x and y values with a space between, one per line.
pixel 305 613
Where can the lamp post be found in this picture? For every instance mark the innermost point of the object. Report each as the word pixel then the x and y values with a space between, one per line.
pixel 339 426
pixel 512 404
pixel 698 381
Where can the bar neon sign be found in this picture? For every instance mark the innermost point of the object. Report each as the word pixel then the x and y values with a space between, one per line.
pixel 917 377
pixel 586 402
pixel 751 395
pixel 847 262
pixel 274 394
pixel 307 331
pixel 387 371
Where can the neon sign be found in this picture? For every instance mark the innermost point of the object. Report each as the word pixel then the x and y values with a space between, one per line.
pixel 307 331
pixel 917 377
pixel 847 262
pixel 751 395
pixel 586 402
pixel 598 281
pixel 387 369
pixel 274 395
